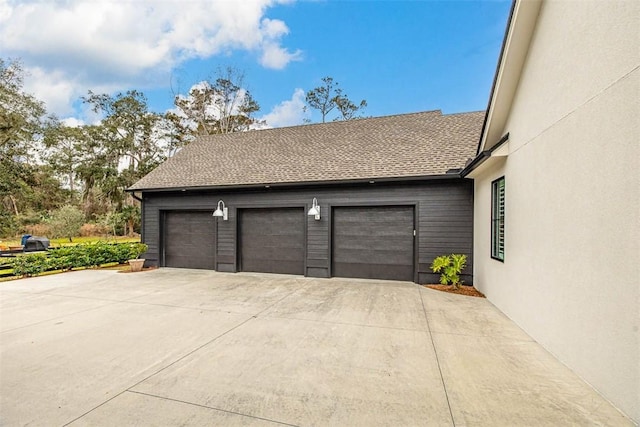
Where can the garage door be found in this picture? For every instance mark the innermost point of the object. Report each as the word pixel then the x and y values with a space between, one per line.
pixel 272 240
pixel 189 240
pixel 373 242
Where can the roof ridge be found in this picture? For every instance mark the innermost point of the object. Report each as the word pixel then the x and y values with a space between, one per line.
pixel 348 122
pixel 359 119
pixel 411 144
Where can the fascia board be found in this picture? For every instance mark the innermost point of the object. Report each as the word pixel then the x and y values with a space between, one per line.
pixel 516 47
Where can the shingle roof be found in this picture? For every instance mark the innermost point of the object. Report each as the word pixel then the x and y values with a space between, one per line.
pixel 407 145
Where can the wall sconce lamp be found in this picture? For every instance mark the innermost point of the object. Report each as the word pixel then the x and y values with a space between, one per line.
pixel 222 211
pixel 315 210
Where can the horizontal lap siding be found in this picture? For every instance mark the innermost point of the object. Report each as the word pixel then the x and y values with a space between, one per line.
pixel 446 227
pixel 227 238
pixel 444 218
pixel 150 234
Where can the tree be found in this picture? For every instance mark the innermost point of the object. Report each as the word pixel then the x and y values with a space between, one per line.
pixel 129 126
pixel 21 122
pixel 347 108
pixel 66 222
pixel 128 135
pixel 328 97
pixel 174 132
pixel 64 149
pixel 216 107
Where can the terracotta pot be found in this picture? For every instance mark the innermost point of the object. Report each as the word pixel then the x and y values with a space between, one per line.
pixel 136 264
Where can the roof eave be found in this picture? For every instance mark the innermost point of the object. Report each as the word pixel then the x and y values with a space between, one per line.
pixel 455 174
pixel 483 157
pixel 515 47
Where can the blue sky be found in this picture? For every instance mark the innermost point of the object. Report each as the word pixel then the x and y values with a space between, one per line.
pixel 401 56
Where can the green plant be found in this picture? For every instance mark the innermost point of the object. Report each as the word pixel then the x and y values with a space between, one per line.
pixel 66 222
pixel 137 249
pixel 82 255
pixel 29 265
pixel 450 267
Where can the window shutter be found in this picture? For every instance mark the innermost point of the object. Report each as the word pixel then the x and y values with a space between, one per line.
pixel 497 218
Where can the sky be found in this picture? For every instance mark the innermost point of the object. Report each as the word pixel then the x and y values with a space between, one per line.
pixel 399 56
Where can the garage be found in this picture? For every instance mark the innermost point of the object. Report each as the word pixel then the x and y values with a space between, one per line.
pixel 372 182
pixel 373 242
pixel 272 240
pixel 189 239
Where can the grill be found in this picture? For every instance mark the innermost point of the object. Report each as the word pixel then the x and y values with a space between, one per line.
pixel 35 243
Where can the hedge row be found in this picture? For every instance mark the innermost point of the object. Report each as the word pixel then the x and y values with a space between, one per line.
pixel 83 255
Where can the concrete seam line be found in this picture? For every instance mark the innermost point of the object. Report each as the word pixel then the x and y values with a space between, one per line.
pixel 161 369
pixel 211 407
pixel 183 357
pixel 435 351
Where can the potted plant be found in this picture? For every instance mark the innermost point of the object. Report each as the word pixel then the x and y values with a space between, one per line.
pixel 135 250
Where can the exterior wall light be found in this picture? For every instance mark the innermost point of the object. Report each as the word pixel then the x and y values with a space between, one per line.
pixel 315 210
pixel 222 211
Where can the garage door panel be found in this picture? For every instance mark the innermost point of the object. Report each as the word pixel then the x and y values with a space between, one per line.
pixel 267 253
pixel 274 266
pixel 349 243
pixel 373 271
pixel 372 256
pixel 373 242
pixel 189 240
pixel 272 240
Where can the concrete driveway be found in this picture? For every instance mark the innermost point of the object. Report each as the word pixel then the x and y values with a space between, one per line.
pixel 191 347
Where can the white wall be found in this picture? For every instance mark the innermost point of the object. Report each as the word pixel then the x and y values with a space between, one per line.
pixel 571 276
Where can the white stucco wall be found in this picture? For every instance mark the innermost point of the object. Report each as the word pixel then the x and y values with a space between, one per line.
pixel 571 276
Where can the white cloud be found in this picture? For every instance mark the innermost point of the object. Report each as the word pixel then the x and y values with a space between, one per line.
pixel 58 90
pixel 287 113
pixel 276 57
pixel 72 122
pixel 73 45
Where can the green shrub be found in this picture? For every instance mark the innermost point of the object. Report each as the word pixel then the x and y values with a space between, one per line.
pixel 450 267
pixel 84 255
pixel 29 265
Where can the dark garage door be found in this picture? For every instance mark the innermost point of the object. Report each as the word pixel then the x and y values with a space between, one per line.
pixel 189 240
pixel 272 240
pixel 373 242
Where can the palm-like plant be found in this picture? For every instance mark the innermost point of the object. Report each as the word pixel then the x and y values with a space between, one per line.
pixel 449 267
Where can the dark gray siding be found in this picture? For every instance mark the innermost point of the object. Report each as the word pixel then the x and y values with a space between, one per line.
pixel 444 219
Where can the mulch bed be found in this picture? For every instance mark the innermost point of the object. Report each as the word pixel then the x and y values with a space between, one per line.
pixel 127 269
pixel 464 290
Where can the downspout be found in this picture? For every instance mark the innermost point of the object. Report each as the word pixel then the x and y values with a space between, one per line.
pixel 133 194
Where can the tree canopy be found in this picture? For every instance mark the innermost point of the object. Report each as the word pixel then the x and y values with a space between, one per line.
pixel 49 169
pixel 217 106
pixel 328 97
